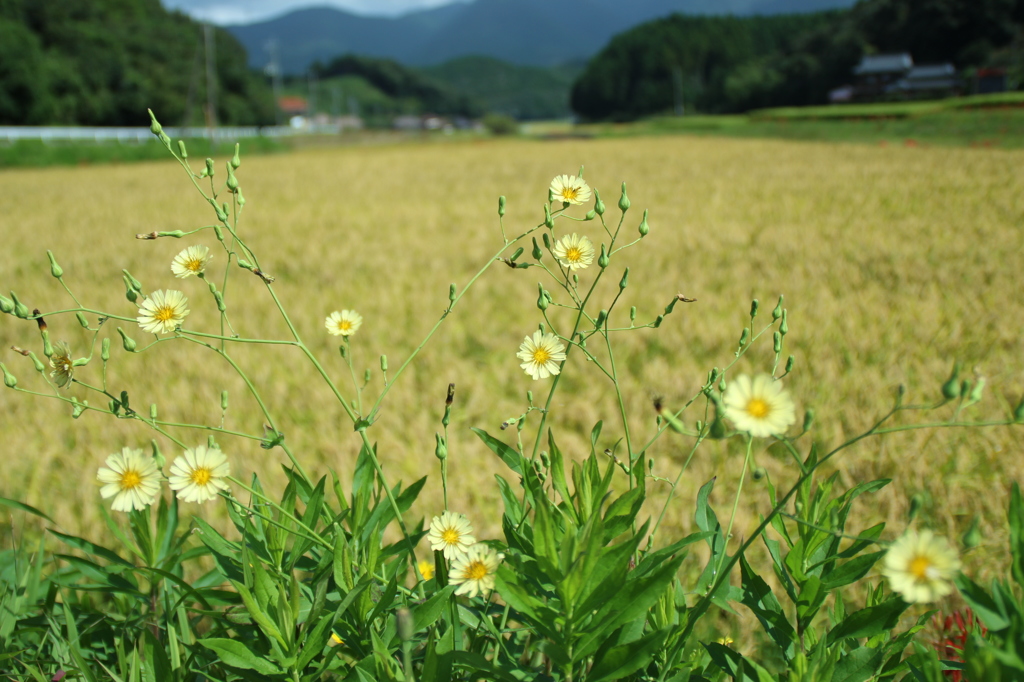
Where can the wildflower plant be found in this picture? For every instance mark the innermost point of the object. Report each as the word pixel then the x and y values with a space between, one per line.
pixel 332 579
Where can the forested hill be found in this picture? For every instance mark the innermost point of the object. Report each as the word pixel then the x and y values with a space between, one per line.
pixel 104 62
pixel 728 64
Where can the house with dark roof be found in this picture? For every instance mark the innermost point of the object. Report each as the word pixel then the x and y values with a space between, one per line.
pixel 889 76
pixel 877 72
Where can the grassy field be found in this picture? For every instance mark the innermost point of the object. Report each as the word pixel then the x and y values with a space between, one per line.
pixel 894 261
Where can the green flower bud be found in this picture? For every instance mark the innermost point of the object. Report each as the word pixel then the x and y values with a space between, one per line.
pixel 6 305
pixel 590 215
pixel 965 387
pixel 80 362
pixel 451 292
pixel 224 401
pixel 624 282
pixel 210 285
pixel 9 380
pixel 784 325
pixel 440 448
pixel 177 234
pixel 717 430
pixel 623 200
pixel 218 233
pixel 529 397
pixel 916 502
pixel 79 407
pixel 777 342
pixel 232 181
pixel 754 305
pixel 37 363
pixel 549 222
pixel 603 260
pixel 536 253
pixel 713 376
pixel 658 320
pixel 972 536
pixel 82 321
pixel 546 240
pixel 808 419
pixel 105 349
pixel 517 254
pixel 222 213
pixel 383 363
pixel 501 206
pixel 55 270
pixel 182 152
pixel 777 313
pixel 242 263
pixel 219 297
pixel 542 299
pixel 129 291
pixel 977 391
pixel 367 376
pixel 152 412
pixel 789 363
pixel 632 313
pixel 722 385
pixel 131 282
pixel 598 204
pixel 745 336
pixel 20 309
pixel 601 317
pixel 644 227
pixel 126 341
pixel 154 125
pixel 236 160
pixel 209 168
pixel 241 199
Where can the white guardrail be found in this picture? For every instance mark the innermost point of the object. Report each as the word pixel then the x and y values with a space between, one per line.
pixel 138 135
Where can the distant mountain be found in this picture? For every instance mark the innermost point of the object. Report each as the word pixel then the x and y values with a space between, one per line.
pixel 529 32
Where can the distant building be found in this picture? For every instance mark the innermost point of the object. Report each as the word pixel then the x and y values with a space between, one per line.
pixel 293 106
pixel 894 76
pixel 928 79
pixel 990 80
pixel 876 72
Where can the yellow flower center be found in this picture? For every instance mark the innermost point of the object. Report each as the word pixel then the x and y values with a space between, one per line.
pixel 65 364
pixel 426 569
pixel 130 480
pixel 541 356
pixel 164 313
pixel 450 536
pixel 477 570
pixel 758 408
pixel 919 566
pixel 344 325
pixel 194 264
pixel 201 476
pixel 574 254
pixel 570 193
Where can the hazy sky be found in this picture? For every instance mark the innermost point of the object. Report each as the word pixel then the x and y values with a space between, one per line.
pixel 246 11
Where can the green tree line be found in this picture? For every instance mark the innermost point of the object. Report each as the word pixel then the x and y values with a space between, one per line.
pixel 729 64
pixel 104 62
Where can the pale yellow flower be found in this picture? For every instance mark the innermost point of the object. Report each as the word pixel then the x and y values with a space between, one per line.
pixel 198 475
pixel 570 189
pixel 191 261
pixel 474 571
pixel 345 323
pixel 163 311
pixel 541 355
pixel 574 251
pixel 759 406
pixel 426 569
pixel 450 533
pixel 921 566
pixel 63 365
pixel 131 478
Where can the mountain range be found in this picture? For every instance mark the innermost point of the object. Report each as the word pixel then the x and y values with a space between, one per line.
pixel 528 32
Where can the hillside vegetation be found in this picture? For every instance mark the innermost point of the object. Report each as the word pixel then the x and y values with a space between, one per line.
pixel 103 62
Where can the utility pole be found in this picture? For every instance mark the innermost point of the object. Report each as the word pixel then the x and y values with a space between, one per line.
pixel 211 81
pixel 274 71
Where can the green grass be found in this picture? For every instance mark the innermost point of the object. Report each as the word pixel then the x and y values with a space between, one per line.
pixel 35 153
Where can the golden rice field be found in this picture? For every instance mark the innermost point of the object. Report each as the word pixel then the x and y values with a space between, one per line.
pixel 894 262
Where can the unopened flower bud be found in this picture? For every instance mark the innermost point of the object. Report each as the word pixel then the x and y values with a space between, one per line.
pixel 232 182
pixel 501 206
pixel 590 215
pixel 154 125
pixel 37 363
pixel 972 536
pixel 224 401
pixel 916 502
pixel 623 200
pixel 131 281
pixel 745 336
pixel 789 363
pixel 177 234
pixel 777 342
pixel 182 151
pixel 383 363
pixel 55 270
pixel 632 313
pixel 440 447
pixel 722 385
pixel 242 263
pixel 222 214
pixel 624 282
pixel 126 341
pixel 529 397
pixel 241 199
pixel 236 160
pixel 658 320
pixel 965 387
pixel 451 292
pixel 784 325
pixel 218 232
pixel 9 380
pixel 20 309
pixel 717 430
pixel 6 305
pixel 549 222
pixel 366 376
pixel 601 317
pixel 977 391
pixel 754 305
pixel 777 313
pixel 129 291
pixel 209 168
pixel 808 419
pixel 219 297
pixel 603 259
pixel 517 254
pixel 105 349
pixel 152 412
pixel 79 407
pixel 644 228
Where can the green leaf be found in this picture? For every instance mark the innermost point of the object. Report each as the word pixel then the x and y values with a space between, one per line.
pixel 1015 516
pixel 21 506
pixel 427 613
pixel 858 666
pixel 625 659
pixel 850 571
pixel 992 615
pixel 158 667
pixel 90 548
pixel 235 653
pixel 258 615
pixel 513 509
pixel 510 457
pixel 558 472
pixel 758 597
pixel 735 665
pixel 870 621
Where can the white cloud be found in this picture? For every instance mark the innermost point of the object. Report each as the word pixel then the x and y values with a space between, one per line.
pixel 247 11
